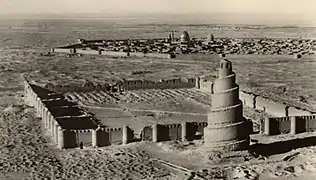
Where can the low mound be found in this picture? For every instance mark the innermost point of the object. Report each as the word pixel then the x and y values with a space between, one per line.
pixel 13 109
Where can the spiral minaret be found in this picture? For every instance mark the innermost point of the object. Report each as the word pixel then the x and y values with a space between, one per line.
pixel 227 128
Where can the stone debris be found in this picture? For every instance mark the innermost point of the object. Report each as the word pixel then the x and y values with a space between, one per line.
pixel 291 156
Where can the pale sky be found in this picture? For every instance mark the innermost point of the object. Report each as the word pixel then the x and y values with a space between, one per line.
pixel 158 6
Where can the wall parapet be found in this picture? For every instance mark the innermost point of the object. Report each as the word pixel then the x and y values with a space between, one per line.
pixel 161 84
pixel 290 124
pixel 186 131
pixel 284 108
pixel 125 84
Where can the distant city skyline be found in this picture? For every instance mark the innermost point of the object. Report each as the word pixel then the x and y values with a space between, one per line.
pixel 157 6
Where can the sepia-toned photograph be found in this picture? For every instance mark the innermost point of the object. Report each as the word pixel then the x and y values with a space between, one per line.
pixel 157 90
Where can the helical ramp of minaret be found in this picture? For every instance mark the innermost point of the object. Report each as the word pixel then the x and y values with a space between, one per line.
pixel 227 128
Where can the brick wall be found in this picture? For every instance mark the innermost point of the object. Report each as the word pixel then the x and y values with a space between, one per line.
pixel 290 124
pixel 166 132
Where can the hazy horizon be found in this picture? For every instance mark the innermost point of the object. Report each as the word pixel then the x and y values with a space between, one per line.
pixel 259 12
pixel 160 6
pixel 274 19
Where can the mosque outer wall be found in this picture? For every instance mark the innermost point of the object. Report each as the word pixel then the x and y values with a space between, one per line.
pixel 288 125
pixel 271 107
pixel 126 85
pixel 163 84
pixel 167 132
pixel 292 111
pixel 67 138
pixel 99 136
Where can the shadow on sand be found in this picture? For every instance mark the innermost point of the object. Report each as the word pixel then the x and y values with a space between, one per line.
pixel 281 147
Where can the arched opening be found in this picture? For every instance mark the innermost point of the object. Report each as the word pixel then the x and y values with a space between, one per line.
pixel 81 145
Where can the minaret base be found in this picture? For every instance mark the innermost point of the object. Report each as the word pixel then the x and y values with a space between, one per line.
pixel 230 137
pixel 226 146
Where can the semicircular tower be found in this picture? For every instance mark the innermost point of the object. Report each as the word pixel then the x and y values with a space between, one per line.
pixel 227 128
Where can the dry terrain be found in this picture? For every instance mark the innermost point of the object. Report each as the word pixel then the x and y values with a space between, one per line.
pixel 27 153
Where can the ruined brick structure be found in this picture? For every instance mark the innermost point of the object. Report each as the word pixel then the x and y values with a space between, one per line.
pixel 227 128
pixel 288 125
pixel 122 85
pixel 70 126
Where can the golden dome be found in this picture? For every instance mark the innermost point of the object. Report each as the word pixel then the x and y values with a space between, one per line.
pixel 184 37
